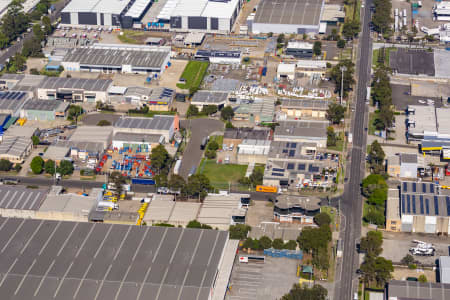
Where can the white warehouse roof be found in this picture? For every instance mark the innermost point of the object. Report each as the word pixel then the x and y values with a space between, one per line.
pixel 203 8
pixel 97 6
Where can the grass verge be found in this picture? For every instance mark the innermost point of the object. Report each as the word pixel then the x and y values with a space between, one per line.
pixel 193 74
pixel 129 37
pixel 221 175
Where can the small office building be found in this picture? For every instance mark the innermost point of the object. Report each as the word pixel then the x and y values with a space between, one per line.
pixel 223 57
pixel 74 89
pixel 163 125
pixel 204 98
pixel 302 131
pixel 294 209
pixel 304 108
pixel 300 49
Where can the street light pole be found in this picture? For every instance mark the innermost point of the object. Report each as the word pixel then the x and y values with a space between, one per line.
pixel 343 69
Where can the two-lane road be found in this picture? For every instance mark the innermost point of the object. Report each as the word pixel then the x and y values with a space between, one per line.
pixel 352 200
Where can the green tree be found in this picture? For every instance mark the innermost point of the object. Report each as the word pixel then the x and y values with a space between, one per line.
pixel 210 154
pixel 197 225
pixel 119 180
pixel 17 63
pixel 17 167
pixel 248 243
pixel 192 111
pixel 290 245
pixel 317 48
pixel 376 153
pixel 265 242
pixel 213 145
pixel 371 243
pixel 351 29
pixel 281 39
pixel 229 125
pixel 423 278
pixel 375 216
pixel 48 28
pixel 239 231
pixel 377 270
pixel 74 112
pixel 321 259
pixel 209 109
pixel 317 292
pixel 256 178
pixel 35 140
pixel 65 168
pixel 38 33
pixel 3 41
pixel 378 197
pixel 335 113
pixel 15 21
pixel 104 123
pixel 37 165
pixel 341 44
pixel 161 180
pixel 331 137
pixel 227 113
pixel 176 183
pixel 5 165
pixel 31 47
pixel 408 259
pixel 278 244
pixel 372 183
pixel 322 219
pixel 336 75
pixel 312 239
pixel 381 18
pixel 198 185
pixel 160 158
pixel 49 167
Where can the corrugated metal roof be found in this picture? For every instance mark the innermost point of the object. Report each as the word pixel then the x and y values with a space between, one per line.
pixel 15 197
pixel 156 123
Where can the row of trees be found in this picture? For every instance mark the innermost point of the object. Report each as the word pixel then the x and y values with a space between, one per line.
pixel 381 18
pixel 256 178
pixel 375 158
pixel 376 270
pixel 336 76
pixel 226 113
pixel 315 241
pixel 211 149
pixel 375 188
pixel 38 166
pixel 316 292
pixel 265 243
pixel 382 96
pixel 6 165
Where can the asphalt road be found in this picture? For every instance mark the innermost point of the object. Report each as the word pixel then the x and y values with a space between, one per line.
pixel 199 128
pixel 17 46
pixel 352 200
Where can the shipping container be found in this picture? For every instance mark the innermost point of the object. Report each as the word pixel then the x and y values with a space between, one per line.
pixel 266 189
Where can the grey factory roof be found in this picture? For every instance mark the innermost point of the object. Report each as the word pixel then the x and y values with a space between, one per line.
pixel 68 203
pixel 301 12
pixel 24 82
pixel 97 6
pixel 12 100
pixel 97 134
pixel 92 147
pixel 305 104
pixel 15 197
pixel 288 168
pixel 422 198
pixel 44 259
pixel 288 202
pixel 414 290
pixel 275 231
pixel 209 97
pixel 408 158
pixel 114 57
pixel 301 128
pixel 46 105
pixel 14 146
pixel 137 137
pixel 243 133
pixel 159 122
pixel 55 83
pixel 56 153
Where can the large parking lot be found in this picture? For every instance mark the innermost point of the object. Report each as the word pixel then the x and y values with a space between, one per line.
pixel 269 280
pixel 396 246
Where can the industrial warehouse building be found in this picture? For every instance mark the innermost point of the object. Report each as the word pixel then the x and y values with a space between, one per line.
pixel 201 15
pixel 12 102
pixel 288 16
pixel 135 140
pixel 15 149
pixel 136 59
pixel 74 89
pixel 294 209
pixel 108 13
pixel 44 110
pixel 300 49
pixel 93 261
pixel 223 57
pixel 304 108
pixel 20 202
pixel 418 207
pixel 156 99
pixel 415 290
pixel 302 131
pixel 204 98
pixel 158 125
